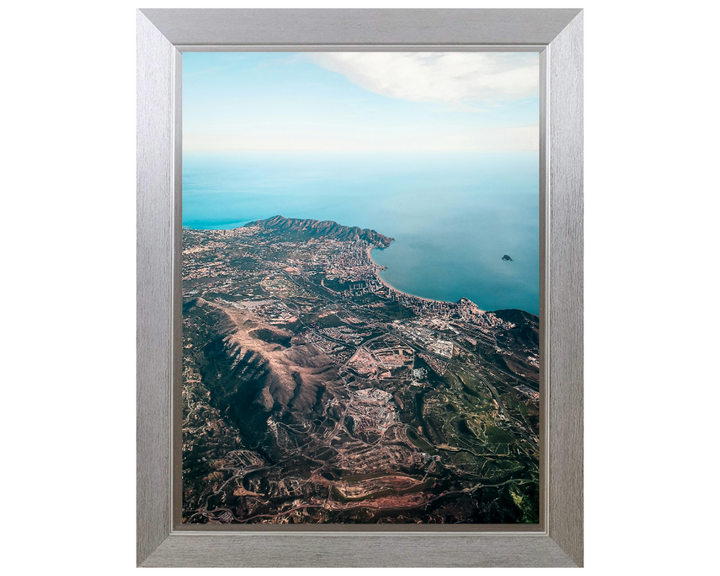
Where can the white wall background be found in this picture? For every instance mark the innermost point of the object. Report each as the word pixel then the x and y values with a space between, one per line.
pixel 67 307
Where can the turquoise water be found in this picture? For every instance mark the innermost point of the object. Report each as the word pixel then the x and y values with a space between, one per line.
pixel 453 215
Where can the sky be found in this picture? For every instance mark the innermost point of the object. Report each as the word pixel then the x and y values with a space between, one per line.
pixel 361 101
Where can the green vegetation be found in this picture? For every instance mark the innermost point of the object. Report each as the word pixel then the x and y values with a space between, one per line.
pixel 329 321
pixel 527 503
pixel 496 435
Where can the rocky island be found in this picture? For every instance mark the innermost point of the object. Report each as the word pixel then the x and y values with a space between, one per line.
pixel 313 392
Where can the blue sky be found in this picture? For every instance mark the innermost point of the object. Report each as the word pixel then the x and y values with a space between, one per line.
pixel 360 101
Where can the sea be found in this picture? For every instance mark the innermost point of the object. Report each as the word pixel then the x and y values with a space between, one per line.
pixel 453 215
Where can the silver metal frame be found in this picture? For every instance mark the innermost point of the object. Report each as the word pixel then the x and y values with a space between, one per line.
pixel 162 36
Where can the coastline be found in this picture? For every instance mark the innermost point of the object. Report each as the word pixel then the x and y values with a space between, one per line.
pixel 194 225
pixel 387 285
pixel 392 288
pixel 377 268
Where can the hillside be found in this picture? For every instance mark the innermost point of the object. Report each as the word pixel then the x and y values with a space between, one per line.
pixel 314 228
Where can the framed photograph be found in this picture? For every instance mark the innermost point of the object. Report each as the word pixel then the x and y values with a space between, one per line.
pixel 359 288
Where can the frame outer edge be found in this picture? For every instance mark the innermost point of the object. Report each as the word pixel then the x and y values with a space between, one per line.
pixel 155 69
pixel 565 283
pixel 156 181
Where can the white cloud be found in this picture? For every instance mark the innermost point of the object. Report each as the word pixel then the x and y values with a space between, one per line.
pixel 455 78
